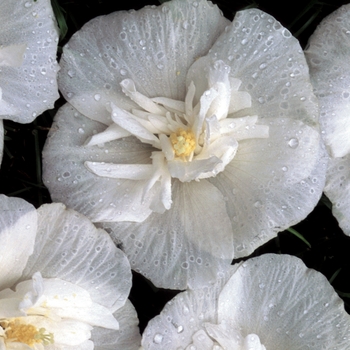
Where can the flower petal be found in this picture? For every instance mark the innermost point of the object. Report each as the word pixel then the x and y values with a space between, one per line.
pixel 101 199
pixel 12 55
pixel 67 241
pixel 165 42
pixel 327 54
pixel 18 227
pixel 271 65
pixel 337 190
pixel 275 182
pixel 286 311
pixel 184 316
pixel 31 88
pixel 126 338
pixel 268 302
pixel 178 249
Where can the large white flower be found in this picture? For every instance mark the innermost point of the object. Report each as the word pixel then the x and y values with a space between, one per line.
pixel 28 67
pixel 328 56
pixel 63 283
pixel 194 138
pixel 265 303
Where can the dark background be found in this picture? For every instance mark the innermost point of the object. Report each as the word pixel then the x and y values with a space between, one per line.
pixel 20 173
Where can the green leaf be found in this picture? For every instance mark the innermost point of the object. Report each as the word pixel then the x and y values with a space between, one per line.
pixel 60 17
pixel 299 235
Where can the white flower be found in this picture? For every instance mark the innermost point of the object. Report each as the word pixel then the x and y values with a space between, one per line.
pixel 328 55
pixel 194 138
pixel 28 67
pixel 265 303
pixel 63 283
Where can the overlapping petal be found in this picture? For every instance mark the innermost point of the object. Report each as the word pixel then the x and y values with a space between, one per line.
pixel 270 300
pixel 251 137
pixel 327 54
pixel 29 38
pixel 18 227
pixel 154 47
pixel 67 278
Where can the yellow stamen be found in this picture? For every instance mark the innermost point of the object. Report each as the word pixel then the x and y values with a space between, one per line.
pixel 184 142
pixel 25 333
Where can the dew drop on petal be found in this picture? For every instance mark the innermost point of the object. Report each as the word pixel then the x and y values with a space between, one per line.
pixel 97 97
pixel 71 73
pixel 293 142
pixel 158 338
pixel 179 329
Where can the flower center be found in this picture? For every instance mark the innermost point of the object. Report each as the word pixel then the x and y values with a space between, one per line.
pixel 183 142
pixel 16 331
pixel 193 139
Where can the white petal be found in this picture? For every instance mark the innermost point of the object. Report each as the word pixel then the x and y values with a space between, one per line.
pixel 327 54
pixel 31 88
pixel 239 100
pixel 337 190
pixel 71 248
pixel 172 28
pixel 64 172
pixel 183 317
pixel 179 248
pixel 286 310
pixel 189 171
pixel 275 181
pixel 126 338
pixel 66 332
pixel 6 108
pixel 271 65
pixel 128 122
pixel 69 301
pixel 269 302
pixel 9 307
pixel 12 55
pixel 113 132
pixel 18 228
pixel 121 171
pixel 173 105
pixel 129 89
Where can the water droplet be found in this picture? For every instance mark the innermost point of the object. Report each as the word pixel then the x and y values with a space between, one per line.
pixel 158 338
pixel 28 4
pixel 185 310
pixel 263 66
pixel 71 73
pixel 185 265
pixel 43 71
pixel 195 4
pixel 240 247
pixel 179 329
pixel 122 72
pixel 81 131
pixel 293 143
pixel 261 285
pixel 97 97
pixel 257 204
pixel 244 41
pixel 284 168
pixel 142 42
